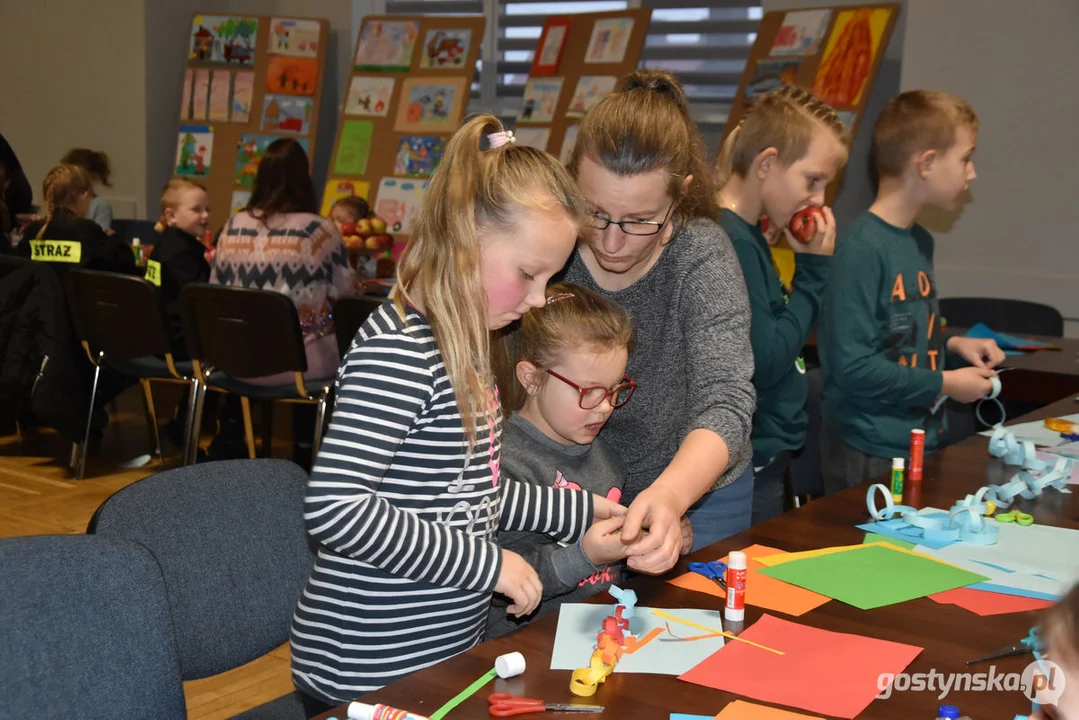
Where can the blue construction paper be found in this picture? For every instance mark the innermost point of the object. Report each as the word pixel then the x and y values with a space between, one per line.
pixel 1019 592
pixel 909 533
pixel 1010 344
pixel 683 716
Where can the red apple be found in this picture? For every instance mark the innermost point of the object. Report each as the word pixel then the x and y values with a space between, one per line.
pixel 347 229
pixel 803 225
pixel 385 242
pixel 378 225
pixel 363 227
pixel 354 242
pixel 372 243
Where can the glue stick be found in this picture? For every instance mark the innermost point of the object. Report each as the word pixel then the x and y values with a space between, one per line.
pixel 897 479
pixel 736 587
pixel 917 454
pixel 363 711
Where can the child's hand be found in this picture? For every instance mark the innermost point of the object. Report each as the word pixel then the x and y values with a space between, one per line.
pixel 603 542
pixel 687 535
pixel 969 384
pixel 653 532
pixel 519 582
pixel 604 508
pixel 823 242
pixel 979 352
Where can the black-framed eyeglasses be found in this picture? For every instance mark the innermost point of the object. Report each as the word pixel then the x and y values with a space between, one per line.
pixel 590 398
pixel 632 227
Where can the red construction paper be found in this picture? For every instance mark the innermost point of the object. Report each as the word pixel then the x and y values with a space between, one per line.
pixel 820 671
pixel 984 602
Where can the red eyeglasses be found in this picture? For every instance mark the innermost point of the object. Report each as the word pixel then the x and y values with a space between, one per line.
pixel 590 398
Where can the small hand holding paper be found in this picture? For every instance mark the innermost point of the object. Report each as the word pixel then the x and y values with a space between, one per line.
pixel 657 550
pixel 603 542
pixel 979 352
pixel 520 583
pixel 604 508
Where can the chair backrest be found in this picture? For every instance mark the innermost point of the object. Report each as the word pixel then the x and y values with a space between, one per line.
pixel 230 539
pixel 86 631
pixel 120 315
pixel 242 332
pixel 1003 315
pixel 349 313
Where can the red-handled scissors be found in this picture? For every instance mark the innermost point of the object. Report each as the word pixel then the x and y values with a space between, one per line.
pixel 506 705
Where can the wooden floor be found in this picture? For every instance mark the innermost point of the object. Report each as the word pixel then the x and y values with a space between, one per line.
pixel 38 496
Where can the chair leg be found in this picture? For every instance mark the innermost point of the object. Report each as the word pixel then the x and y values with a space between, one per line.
pixel 320 420
pixel 194 423
pixel 267 430
pixel 151 412
pixel 249 433
pixel 80 463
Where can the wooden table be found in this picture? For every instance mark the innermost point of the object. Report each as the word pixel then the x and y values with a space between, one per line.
pixel 949 634
pixel 1043 376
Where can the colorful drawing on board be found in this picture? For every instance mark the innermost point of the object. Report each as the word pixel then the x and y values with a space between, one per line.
pixel 243 90
pixel 590 90
pixel 444 49
pixel 194 149
pixel 219 95
pixel 568 143
pixel 337 188
pixel 418 155
pixel 249 151
pixel 551 44
pixel 398 202
pixel 239 201
pixel 847 117
pixel 801 32
pixel 202 95
pixel 369 96
pixel 770 74
pixel 430 104
pixel 353 147
pixel 185 99
pixel 285 113
pixel 849 55
pixel 299 38
pixel 386 45
pixel 540 100
pixel 291 75
pixel 224 39
pixel 609 41
pixel 536 137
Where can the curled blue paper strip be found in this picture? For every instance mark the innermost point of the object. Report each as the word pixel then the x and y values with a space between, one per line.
pixel 625 598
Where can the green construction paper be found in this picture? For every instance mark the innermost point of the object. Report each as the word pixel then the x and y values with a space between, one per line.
pixel 873 576
pixel 464 694
pixel 875 538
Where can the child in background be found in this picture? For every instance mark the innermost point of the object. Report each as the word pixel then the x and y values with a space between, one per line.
pixel 776 162
pixel 1060 633
pixel 346 211
pixel 96 164
pixel 881 345
pixel 406 494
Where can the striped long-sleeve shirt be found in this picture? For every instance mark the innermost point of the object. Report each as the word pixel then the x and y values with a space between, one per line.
pixel 405 517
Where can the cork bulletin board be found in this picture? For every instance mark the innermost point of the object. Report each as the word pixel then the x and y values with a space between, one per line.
pixel 248 80
pixel 408 92
pixel 579 59
pixel 835 51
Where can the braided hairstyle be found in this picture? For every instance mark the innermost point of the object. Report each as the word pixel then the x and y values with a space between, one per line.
pixel 63 187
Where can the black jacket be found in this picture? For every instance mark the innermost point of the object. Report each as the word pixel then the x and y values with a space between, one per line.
pixel 100 251
pixel 19 196
pixel 183 261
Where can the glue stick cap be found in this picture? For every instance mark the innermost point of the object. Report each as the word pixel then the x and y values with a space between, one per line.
pixel 510 665
pixel 363 711
pixel 948 712
pixel 736 560
pixel 899 464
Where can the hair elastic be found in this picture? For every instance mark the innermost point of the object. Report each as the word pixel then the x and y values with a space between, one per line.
pixel 498 139
pixel 559 296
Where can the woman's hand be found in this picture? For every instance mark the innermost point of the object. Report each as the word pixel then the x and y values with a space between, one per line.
pixel 653 531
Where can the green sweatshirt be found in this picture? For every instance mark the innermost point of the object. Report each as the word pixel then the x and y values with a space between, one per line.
pixel 780 327
pixel 880 342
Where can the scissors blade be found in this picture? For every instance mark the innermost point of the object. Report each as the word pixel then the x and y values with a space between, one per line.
pixel 575 708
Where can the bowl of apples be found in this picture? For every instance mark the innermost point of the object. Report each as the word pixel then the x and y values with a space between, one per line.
pixel 367 235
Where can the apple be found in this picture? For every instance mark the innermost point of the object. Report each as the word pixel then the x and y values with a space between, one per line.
pixel 372 242
pixel 803 225
pixel 347 229
pixel 378 225
pixel 363 227
pixel 354 242
pixel 385 242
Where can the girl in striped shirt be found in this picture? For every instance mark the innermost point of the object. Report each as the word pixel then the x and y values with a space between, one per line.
pixel 406 495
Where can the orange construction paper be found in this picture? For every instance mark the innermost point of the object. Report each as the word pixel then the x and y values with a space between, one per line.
pixel 984 602
pixel 761 591
pixel 820 671
pixel 742 710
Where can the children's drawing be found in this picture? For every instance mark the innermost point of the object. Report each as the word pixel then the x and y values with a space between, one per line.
pixel 445 49
pixel 849 55
pixel 398 202
pixel 202 95
pixel 568 143
pixel 369 96
pixel 610 38
pixel 801 32
pixel 551 44
pixel 353 147
pixel 219 95
pixel 185 99
pixel 193 151
pixel 536 137
pixel 590 90
pixel 298 38
pixel 249 151
pixel 337 188
pixel 240 198
pixel 291 75
pixel 243 89
pixel 386 45
pixel 770 74
pixel 224 39
pixel 540 100
pixel 418 155
pixel 284 113
pixel 430 104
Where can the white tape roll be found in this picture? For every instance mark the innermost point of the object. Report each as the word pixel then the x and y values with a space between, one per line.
pixel 510 665
pixel 996 387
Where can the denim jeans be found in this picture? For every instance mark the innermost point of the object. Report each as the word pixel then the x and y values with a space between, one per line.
pixel 724 512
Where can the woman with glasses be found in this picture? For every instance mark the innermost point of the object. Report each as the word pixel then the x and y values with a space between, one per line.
pixel 655 249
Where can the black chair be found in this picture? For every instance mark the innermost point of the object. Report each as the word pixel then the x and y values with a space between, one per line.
pixel 122 323
pixel 87 631
pixel 235 334
pixel 1003 315
pixel 349 313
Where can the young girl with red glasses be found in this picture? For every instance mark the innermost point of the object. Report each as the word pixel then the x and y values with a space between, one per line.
pixel 562 374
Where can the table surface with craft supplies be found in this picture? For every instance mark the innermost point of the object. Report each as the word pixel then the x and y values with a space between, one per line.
pixel 829 646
